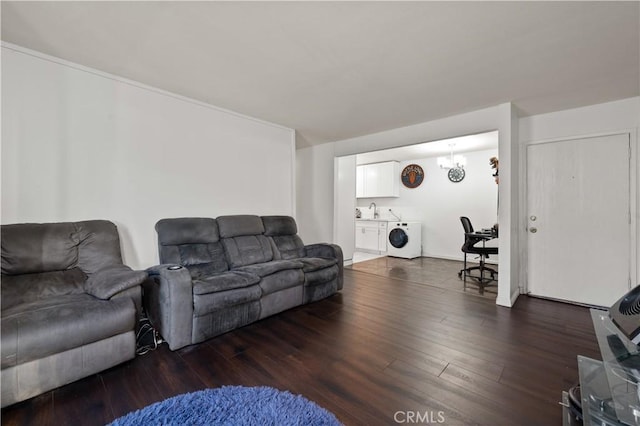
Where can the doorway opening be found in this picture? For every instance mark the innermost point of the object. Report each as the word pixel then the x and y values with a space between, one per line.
pixel 434 205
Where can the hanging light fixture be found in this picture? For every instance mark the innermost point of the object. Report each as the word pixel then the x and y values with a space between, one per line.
pixel 453 161
pixel 454 164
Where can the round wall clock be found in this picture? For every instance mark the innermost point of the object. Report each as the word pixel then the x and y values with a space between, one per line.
pixel 456 174
pixel 412 176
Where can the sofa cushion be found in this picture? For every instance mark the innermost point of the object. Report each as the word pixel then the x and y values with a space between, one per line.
pixel 279 225
pixel 193 243
pixel 282 280
pixel 247 250
pixel 239 225
pixel 224 281
pixel 202 259
pixel 44 327
pixel 269 268
pixel 283 232
pixel 289 246
pixel 210 302
pixel 312 264
pixel 29 248
pixel 20 289
pixel 243 240
pixel 98 245
pixel 187 230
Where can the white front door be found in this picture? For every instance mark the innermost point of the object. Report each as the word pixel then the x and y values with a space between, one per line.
pixel 578 219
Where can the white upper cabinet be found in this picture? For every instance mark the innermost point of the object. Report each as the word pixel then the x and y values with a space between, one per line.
pixel 378 180
pixel 360 182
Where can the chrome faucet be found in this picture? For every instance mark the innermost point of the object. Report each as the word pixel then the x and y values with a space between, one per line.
pixel 375 210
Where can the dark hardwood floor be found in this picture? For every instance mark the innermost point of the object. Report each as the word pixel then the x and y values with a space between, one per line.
pixel 441 273
pixel 381 348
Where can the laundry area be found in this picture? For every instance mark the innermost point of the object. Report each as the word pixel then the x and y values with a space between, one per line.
pixel 409 200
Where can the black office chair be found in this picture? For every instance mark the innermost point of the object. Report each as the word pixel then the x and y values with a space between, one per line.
pixel 486 275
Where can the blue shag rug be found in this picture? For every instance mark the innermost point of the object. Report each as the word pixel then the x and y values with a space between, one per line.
pixel 232 405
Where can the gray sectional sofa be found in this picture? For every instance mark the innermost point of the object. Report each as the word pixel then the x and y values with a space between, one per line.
pixel 69 305
pixel 220 274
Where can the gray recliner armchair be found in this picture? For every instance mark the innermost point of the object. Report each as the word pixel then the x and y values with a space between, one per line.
pixel 69 305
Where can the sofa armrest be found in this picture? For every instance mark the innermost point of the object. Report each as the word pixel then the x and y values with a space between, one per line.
pixel 135 294
pixel 108 282
pixel 331 251
pixel 168 300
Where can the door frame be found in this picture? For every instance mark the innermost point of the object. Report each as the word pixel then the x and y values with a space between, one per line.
pixel 634 178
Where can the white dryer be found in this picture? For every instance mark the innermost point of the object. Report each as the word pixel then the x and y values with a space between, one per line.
pixel 404 239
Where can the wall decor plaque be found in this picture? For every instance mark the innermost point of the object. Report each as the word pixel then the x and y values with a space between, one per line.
pixel 412 176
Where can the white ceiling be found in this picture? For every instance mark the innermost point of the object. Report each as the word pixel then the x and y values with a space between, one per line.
pixel 459 145
pixel 335 70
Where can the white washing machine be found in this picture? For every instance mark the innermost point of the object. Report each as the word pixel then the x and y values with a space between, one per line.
pixel 404 239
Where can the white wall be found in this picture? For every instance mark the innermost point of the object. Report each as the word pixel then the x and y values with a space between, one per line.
pixel 79 144
pixel 438 203
pixel 314 193
pixel 509 213
pixel 621 116
pixel 345 205
pixel 587 121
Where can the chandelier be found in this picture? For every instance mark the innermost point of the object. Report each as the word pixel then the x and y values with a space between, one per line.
pixel 453 161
